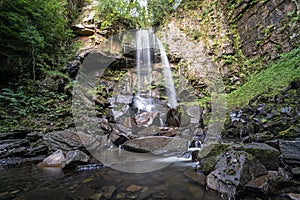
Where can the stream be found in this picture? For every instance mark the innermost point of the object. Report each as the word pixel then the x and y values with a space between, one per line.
pixel 171 182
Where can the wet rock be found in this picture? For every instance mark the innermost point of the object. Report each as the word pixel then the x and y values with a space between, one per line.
pixel 89 167
pixel 13 147
pixel 173 118
pixel 75 158
pixel 290 151
pixel 267 155
pixel 12 162
pixel 263 185
pixel 157 145
pixel 147 118
pixel 56 159
pixel 68 140
pixel 118 137
pixel 209 156
pixel 197 177
pixel 233 170
pixel 124 99
pixel 108 191
pixel 293 196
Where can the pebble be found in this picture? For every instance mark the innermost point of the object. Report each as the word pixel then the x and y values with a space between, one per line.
pixel 133 188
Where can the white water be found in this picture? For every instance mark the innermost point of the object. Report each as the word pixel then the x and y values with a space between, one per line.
pixel 145 43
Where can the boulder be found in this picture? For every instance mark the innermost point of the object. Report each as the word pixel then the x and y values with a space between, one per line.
pixel 267 155
pixel 233 170
pixel 264 185
pixel 75 158
pixel 173 118
pixel 147 119
pixel 56 159
pixel 69 139
pixel 149 131
pixel 157 145
pixel 209 156
pixel 290 151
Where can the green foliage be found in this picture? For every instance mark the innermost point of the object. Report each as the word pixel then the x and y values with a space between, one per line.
pixel 33 35
pixel 272 80
pixel 26 105
pixel 116 14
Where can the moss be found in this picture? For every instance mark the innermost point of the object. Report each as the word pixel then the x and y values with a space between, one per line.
pixel 271 80
pixel 289 133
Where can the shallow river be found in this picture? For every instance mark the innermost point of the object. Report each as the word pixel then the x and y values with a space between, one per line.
pixel 171 182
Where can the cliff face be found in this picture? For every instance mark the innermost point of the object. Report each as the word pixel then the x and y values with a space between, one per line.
pixel 267 27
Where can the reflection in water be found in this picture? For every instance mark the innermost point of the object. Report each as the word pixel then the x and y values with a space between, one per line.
pixel 167 183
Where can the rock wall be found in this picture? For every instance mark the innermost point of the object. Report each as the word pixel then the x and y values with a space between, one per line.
pixel 267 27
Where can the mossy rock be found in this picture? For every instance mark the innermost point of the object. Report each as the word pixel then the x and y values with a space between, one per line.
pixel 291 132
pixel 267 155
pixel 210 154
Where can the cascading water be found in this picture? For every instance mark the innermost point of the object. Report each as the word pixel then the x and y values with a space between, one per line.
pixel 146 42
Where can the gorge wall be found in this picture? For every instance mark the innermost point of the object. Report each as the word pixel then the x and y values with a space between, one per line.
pixel 267 27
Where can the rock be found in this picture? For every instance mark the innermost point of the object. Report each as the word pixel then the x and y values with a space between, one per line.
pixel 196 177
pixel 69 140
pixel 209 156
pixel 290 151
pixel 157 145
pixel 286 175
pixel 108 191
pixel 173 118
pixel 124 99
pixel 104 125
pixel 81 30
pixel 75 158
pixel 194 113
pixel 267 155
pixel 134 188
pixel 147 119
pixel 96 196
pixel 73 67
pixel 118 137
pixel 296 171
pixel 149 131
pixel 293 196
pixel 56 159
pixel 12 162
pixel 34 136
pixel 89 167
pixel 168 132
pixel 13 147
pixel 263 185
pixel 233 170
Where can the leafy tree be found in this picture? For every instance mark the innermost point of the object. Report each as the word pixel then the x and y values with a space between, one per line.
pixel 34 36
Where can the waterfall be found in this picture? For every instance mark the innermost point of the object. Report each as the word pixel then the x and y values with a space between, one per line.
pixel 146 44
